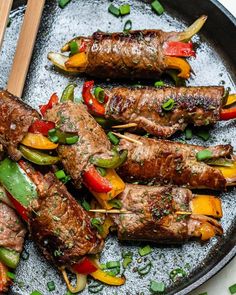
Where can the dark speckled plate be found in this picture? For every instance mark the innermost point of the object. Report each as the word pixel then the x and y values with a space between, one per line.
pixel 215 64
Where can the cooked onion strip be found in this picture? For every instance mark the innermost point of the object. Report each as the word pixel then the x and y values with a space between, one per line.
pixel 81 281
pixel 59 61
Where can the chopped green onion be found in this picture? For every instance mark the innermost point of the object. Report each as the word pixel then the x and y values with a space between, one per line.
pixel 85 205
pixel 203 134
pixel 177 273
pixel 11 275
pixel 145 250
pixel 159 84
pixel 145 269
pixel 113 139
pixel 60 174
pixel 103 266
pixel 66 179
pixel 157 7
pixel 204 155
pixel 97 224
pixel 127 26
pixel 125 9
pixel 72 139
pixel 63 3
pixel 113 264
pixel 53 138
pixel 51 286
pixel 114 271
pixel 157 287
pixel 168 105
pixel 36 293
pixel 74 47
pixel 101 171
pixel 188 133
pixel 95 288
pixel 52 132
pixel 99 94
pixel 115 203
pixel 232 289
pixel 127 260
pixel 114 10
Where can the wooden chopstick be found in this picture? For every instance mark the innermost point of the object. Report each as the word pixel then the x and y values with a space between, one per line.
pixel 5 8
pixel 25 46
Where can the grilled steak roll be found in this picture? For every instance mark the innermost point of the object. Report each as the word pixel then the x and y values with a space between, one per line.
pixel 60 226
pixel 15 120
pixel 73 118
pixel 163 161
pixel 144 106
pixel 153 215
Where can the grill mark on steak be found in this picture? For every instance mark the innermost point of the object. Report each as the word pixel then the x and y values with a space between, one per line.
pixel 163 161
pixel 196 105
pixel 60 226
pixel 15 119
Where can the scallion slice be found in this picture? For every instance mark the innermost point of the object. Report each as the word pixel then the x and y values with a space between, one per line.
pixel 157 7
pixel 232 289
pixel 60 174
pixel 115 203
pixel 168 105
pixel 36 293
pixel 203 134
pixel 159 84
pixel 99 94
pixel 127 26
pixel 127 260
pixel 63 3
pixel 72 139
pixel 51 286
pixel 145 250
pixel 74 47
pixel 101 171
pixel 114 10
pixel 204 155
pixel 157 287
pixel 113 264
pixel 125 9
pixel 145 269
pixel 97 224
pixel 188 133
pixel 85 205
pixel 177 273
pixel 11 275
pixel 113 139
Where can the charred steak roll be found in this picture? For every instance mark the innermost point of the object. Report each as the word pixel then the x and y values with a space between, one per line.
pixel 154 215
pixel 73 118
pixel 146 107
pixel 163 161
pixel 60 226
pixel 15 120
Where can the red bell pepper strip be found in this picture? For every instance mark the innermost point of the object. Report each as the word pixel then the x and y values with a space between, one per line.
pixel 53 100
pixel 83 46
pixel 91 102
pixel 227 114
pixel 85 266
pixel 21 210
pixel 95 182
pixel 174 48
pixel 42 127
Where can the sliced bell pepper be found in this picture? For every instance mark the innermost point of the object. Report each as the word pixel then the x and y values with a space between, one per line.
pixel 53 100
pixel 206 205
pixel 114 162
pixel 95 182
pixel 228 114
pixel 104 277
pixel 38 141
pixel 68 93
pixel 42 127
pixel 231 99
pixel 37 157
pixel 4 279
pixel 90 101
pixel 78 60
pixel 175 48
pixel 10 258
pixel 207 231
pixel 22 211
pixel 178 64
pixel 229 173
pixel 107 224
pixel 85 266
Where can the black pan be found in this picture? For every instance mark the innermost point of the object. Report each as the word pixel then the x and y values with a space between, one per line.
pixel 215 64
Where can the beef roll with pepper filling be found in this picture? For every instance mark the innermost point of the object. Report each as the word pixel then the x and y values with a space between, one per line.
pixel 163 161
pixel 141 54
pixel 12 234
pixel 166 215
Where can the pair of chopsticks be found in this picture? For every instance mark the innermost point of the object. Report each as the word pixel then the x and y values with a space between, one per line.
pixel 25 43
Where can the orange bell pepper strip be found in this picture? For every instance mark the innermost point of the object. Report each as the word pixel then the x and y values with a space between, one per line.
pixel 78 60
pixel 38 141
pixel 206 205
pixel 207 231
pixel 104 277
pixel 178 64
pixel 230 100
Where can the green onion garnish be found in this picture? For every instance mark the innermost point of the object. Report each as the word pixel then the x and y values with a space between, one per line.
pixel 145 250
pixel 127 260
pixel 125 9
pixel 127 26
pixel 232 289
pixel 99 94
pixel 51 286
pixel 113 139
pixel 188 133
pixel 72 139
pixel 63 3
pixel 36 293
pixel 52 132
pixel 159 84
pixel 74 47
pixel 177 273
pixel 85 205
pixel 115 203
pixel 60 174
pixel 114 10
pixel 113 264
pixel 157 287
pixel 11 275
pixel 97 224
pixel 157 7
pixel 101 171
pixel 168 105
pixel 95 288
pixel 203 134
pixel 204 155
pixel 145 269
pixel 53 138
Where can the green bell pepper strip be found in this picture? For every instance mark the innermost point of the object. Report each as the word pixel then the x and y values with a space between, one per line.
pixel 9 257
pixel 16 182
pixel 114 162
pixel 68 93
pixel 37 157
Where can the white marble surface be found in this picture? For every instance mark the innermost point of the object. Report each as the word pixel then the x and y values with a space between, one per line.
pixel 219 284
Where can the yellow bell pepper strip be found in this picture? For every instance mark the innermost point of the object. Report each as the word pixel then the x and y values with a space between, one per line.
pixel 207 231
pixel 178 64
pixel 38 157
pixel 81 281
pixel 229 173
pixel 206 205
pixel 59 61
pixel 230 100
pixel 104 277
pixel 78 60
pixel 5 281
pixel 107 224
pixel 38 141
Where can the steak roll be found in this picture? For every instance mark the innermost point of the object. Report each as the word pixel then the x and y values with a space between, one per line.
pixel 155 214
pixel 15 120
pixel 163 161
